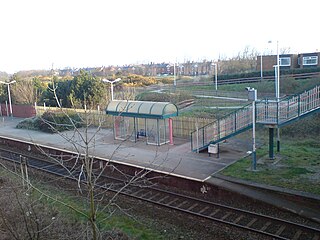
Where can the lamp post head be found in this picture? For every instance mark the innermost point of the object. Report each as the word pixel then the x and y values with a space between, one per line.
pixel 109 81
pixel 7 83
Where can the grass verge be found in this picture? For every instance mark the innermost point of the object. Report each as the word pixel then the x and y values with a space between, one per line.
pixel 296 167
pixel 117 222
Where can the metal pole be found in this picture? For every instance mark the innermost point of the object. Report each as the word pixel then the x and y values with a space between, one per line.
pixel 261 69
pixel 278 73
pixel 271 154
pixel 10 105
pixel 216 75
pixel 254 156
pixel 174 75
pixel 278 95
pixel 111 91
pixel 7 109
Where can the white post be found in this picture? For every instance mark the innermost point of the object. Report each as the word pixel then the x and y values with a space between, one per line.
pixel 215 75
pixel 174 75
pixel 35 107
pixel 7 109
pixel 111 91
pixel 10 105
pixel 254 156
pixel 8 84
pixel 261 68
pixel 252 95
pixel 278 96
pixel 197 128
pixel 278 74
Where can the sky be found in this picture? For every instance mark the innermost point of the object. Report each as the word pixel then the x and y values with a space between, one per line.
pixel 39 34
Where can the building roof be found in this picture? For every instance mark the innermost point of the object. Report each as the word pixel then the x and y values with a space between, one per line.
pixel 142 109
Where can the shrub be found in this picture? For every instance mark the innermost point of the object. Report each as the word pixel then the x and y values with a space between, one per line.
pixel 29 123
pixel 57 122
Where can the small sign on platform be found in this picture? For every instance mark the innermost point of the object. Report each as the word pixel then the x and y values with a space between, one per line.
pixel 213 149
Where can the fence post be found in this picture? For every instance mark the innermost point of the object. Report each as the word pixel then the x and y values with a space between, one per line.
pixel 299 99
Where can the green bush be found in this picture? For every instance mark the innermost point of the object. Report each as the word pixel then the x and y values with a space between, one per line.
pixel 52 122
pixel 29 123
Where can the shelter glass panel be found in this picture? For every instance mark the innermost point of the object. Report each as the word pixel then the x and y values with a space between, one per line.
pixel 152 132
pixel 124 128
pixel 163 131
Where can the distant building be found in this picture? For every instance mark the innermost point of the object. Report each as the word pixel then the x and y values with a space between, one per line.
pixel 287 61
pixel 306 60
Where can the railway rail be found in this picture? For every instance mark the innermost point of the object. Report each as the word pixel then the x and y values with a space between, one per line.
pixel 269 226
pixel 249 80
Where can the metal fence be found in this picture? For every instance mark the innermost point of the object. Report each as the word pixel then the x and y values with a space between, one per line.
pixel 182 126
pixel 222 128
pixel 271 112
pixel 287 109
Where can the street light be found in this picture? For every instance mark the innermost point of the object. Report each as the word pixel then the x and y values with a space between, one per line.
pixel 8 84
pixel 252 96
pixel 261 69
pixel 111 82
pixel 277 90
pixel 278 96
pixel 174 75
pixel 261 64
pixel 215 74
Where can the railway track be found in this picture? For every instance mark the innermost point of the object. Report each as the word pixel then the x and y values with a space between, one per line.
pixel 249 79
pixel 248 221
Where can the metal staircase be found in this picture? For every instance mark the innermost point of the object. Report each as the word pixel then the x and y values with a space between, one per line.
pixel 268 112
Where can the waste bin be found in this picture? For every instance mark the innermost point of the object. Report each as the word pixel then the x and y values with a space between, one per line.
pixel 213 148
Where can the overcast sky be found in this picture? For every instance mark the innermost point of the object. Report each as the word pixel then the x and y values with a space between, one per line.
pixel 80 33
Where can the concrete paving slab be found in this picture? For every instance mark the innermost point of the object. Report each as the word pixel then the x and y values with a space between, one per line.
pixel 175 159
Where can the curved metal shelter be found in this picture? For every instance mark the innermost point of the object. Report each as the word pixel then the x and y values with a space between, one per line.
pixel 137 120
pixel 142 109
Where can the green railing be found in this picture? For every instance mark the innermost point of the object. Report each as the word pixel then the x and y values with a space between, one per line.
pixel 288 109
pixel 222 128
pixel 268 112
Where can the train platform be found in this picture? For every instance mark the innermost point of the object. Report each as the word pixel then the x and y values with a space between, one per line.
pixel 177 160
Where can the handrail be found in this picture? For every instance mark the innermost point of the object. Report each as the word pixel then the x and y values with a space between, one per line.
pixel 277 113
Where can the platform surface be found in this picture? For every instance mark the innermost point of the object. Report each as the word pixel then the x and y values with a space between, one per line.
pixel 175 159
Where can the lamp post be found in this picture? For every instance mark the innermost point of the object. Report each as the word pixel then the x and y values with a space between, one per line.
pixel 174 75
pixel 252 96
pixel 277 90
pixel 261 64
pixel 215 75
pixel 111 82
pixel 261 69
pixel 278 96
pixel 9 96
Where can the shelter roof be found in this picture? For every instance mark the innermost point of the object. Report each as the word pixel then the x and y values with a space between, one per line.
pixel 142 109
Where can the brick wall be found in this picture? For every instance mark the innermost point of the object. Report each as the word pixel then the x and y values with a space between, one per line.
pixel 22 111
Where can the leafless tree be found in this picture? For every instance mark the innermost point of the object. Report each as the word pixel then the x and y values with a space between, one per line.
pixel 88 171
pixel 23 92
pixel 244 61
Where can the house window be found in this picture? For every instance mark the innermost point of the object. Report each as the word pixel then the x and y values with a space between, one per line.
pixel 285 61
pixel 311 60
